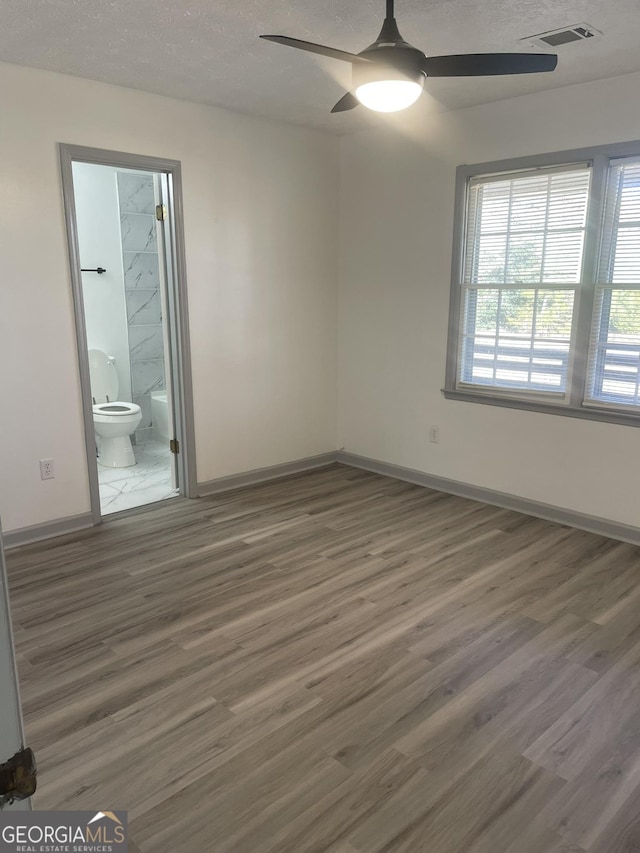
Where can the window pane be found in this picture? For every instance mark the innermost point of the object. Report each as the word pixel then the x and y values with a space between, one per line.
pixel 562 257
pixel 491 259
pixel 615 361
pixel 620 250
pixel 524 263
pixel 614 358
pixel 495 206
pixel 517 338
pixel 626 257
pixel 523 260
pixel 529 202
pixel 630 195
pixel 527 229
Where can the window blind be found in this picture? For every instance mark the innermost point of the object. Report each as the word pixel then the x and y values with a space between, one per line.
pixel 613 377
pixel 522 265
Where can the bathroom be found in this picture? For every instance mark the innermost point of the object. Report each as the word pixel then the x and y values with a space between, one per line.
pixel 125 311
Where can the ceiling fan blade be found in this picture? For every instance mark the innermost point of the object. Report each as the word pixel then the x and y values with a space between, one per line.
pixel 484 64
pixel 346 102
pixel 321 49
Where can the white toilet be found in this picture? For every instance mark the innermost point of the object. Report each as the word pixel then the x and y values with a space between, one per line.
pixel 114 421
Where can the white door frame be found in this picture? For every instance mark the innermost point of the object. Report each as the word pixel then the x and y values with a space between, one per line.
pixel 178 319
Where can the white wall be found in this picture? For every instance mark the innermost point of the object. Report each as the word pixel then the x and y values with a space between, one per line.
pixel 105 310
pixel 260 204
pixel 397 188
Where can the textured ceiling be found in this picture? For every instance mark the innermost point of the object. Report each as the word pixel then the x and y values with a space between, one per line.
pixel 209 51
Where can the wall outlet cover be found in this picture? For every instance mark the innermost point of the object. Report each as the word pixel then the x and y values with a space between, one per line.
pixel 46 469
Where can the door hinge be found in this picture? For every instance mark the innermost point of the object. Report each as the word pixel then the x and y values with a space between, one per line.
pixel 18 777
pixel 161 212
pixel 174 445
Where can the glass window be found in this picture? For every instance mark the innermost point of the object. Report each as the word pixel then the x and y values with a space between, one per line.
pixel 546 299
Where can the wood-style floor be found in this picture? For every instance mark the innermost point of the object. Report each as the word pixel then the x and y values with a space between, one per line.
pixel 337 662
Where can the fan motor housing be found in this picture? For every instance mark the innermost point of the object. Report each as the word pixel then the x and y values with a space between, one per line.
pixel 397 62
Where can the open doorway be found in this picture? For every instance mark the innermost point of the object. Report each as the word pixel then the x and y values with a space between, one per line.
pixel 130 304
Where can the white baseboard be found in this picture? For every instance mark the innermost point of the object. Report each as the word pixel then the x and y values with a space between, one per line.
pixel 592 523
pixel 261 475
pixel 46 530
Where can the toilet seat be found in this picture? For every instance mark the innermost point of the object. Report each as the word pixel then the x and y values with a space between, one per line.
pixel 116 410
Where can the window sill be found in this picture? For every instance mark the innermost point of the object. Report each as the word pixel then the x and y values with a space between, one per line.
pixel 589 414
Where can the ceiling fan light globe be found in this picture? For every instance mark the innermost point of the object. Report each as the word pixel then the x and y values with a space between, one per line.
pixel 389 96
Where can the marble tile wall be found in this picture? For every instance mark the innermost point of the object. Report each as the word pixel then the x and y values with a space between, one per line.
pixel 142 291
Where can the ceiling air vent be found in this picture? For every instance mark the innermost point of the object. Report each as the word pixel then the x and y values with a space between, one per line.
pixel 555 38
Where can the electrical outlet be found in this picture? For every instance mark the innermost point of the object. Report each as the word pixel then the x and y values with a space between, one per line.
pixel 434 434
pixel 46 469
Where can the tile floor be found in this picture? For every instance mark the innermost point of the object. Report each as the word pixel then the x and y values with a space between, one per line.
pixel 147 481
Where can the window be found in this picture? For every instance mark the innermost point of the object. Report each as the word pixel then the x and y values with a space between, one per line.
pixel 546 284
pixel 613 377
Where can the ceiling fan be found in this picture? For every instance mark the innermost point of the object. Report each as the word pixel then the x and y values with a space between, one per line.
pixel 389 74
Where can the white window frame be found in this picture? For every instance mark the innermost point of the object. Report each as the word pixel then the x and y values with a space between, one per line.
pixel 572 404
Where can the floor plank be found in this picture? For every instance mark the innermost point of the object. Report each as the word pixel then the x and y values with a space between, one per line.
pixel 336 661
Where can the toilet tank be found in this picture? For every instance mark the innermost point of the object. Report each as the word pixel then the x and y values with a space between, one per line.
pixel 103 375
